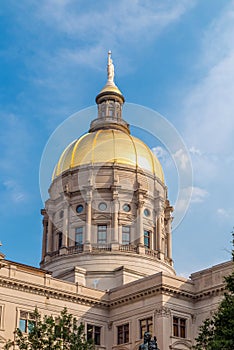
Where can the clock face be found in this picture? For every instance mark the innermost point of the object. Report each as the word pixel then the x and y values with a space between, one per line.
pixel 102 206
pixel 126 208
pixel 79 208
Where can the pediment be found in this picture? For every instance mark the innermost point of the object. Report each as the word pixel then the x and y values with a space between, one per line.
pixel 101 217
pixel 181 345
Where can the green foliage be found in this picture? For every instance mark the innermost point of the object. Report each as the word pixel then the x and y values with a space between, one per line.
pixel 218 332
pixel 49 333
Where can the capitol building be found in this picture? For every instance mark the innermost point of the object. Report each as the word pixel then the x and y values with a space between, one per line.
pixel 107 245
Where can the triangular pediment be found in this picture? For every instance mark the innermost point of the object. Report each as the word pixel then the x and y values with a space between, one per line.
pixel 102 217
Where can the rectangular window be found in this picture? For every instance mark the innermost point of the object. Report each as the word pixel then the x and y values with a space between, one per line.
pixel 147 239
pixel 179 327
pixel 1 316
pixel 26 321
pixel 146 325
pixel 123 334
pixel 79 236
pixel 94 333
pixel 102 234
pixel 60 240
pixel 125 234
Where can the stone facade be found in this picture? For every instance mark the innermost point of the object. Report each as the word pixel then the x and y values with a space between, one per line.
pixel 159 298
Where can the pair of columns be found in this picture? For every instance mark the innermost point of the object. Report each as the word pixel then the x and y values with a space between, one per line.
pixel 48 243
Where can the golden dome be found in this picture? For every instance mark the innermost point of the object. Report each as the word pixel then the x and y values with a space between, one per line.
pixel 111 88
pixel 108 146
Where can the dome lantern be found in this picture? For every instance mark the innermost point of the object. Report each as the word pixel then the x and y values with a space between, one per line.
pixel 110 101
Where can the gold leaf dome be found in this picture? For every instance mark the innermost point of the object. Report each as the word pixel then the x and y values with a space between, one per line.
pixel 109 146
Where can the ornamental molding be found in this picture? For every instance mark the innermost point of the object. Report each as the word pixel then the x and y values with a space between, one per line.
pixel 162 312
pixel 51 293
pixel 130 297
pixel 177 345
pixel 101 217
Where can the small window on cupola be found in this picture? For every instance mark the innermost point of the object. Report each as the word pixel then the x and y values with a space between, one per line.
pixel 60 239
pixel 147 239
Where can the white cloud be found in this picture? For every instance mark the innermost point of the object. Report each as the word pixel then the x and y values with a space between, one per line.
pixel 195 151
pixel 14 192
pixel 208 113
pixel 209 105
pixel 163 155
pixel 93 29
pixel 199 195
pixel 190 194
pixel 182 159
pixel 226 213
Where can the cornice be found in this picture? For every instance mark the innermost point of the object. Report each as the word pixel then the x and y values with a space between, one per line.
pixel 49 292
pixel 110 299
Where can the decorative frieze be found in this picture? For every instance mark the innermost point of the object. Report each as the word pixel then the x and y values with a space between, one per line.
pixel 162 312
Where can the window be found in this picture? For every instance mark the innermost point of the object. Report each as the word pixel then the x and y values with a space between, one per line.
pixel 79 236
pixel 26 321
pixel 102 206
pixel 146 325
pixel 125 234
pixel 79 208
pixel 60 240
pixel 94 333
pixel 179 327
pixel 147 212
pixel 126 208
pixel 147 239
pixel 2 316
pixel 123 334
pixel 102 234
pixel 103 109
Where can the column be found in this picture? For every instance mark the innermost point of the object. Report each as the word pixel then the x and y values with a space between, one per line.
pixel 115 228
pixel 115 220
pixel 49 236
pixel 140 228
pixel 162 317
pixel 88 222
pixel 88 225
pixel 140 223
pixel 169 240
pixel 65 226
pixel 45 237
pixel 159 237
pixel 169 218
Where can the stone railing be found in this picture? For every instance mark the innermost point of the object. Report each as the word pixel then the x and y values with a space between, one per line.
pixel 75 249
pixel 150 252
pixel 101 247
pixel 128 248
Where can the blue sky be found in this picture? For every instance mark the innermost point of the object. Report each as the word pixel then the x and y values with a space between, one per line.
pixel 176 57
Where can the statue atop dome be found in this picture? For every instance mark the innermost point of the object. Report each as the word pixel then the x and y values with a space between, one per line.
pixel 110 69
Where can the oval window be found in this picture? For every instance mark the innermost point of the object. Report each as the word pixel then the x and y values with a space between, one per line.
pixel 79 208
pixel 126 208
pixel 147 212
pixel 102 206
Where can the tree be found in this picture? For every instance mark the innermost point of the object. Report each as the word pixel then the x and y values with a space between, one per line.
pixel 218 332
pixel 49 333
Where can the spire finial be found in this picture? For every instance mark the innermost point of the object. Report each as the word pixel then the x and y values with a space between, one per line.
pixel 110 69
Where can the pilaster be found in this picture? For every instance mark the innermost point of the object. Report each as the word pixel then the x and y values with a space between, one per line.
pixel 87 240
